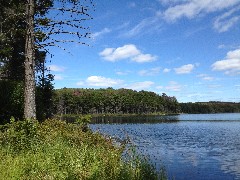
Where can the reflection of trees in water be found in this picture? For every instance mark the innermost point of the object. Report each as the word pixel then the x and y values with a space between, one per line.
pixel 135 119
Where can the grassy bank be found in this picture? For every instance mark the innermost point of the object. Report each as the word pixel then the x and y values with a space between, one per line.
pixel 58 150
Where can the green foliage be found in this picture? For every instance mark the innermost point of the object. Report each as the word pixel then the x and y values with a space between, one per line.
pixel 12 39
pixel 210 107
pixel 20 135
pixel 140 164
pixel 110 101
pixel 11 98
pixel 83 121
pixel 12 57
pixel 57 150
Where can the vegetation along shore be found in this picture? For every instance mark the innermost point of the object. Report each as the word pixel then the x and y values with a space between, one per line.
pixel 55 149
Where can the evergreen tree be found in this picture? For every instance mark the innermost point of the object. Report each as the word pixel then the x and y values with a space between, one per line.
pixel 26 31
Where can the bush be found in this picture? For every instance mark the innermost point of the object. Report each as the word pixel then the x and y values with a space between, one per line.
pixel 83 121
pixel 58 150
pixel 11 98
pixel 20 135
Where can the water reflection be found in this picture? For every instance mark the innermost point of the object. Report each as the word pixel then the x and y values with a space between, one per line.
pixel 134 119
pixel 189 149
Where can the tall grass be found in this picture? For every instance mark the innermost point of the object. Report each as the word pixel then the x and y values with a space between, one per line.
pixel 58 150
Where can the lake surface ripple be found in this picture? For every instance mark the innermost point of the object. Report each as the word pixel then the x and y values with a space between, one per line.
pixel 199 146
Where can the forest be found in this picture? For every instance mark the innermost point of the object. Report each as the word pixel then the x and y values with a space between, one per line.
pixel 210 107
pixel 111 101
pixel 128 101
pixel 51 102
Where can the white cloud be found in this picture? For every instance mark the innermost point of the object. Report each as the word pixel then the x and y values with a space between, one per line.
pixel 166 70
pixel 149 72
pixel 142 58
pixel 208 78
pixel 106 53
pixel 123 72
pixel 147 25
pixel 173 86
pixel 126 52
pixel 230 65
pixel 224 22
pixel 122 26
pixel 177 9
pixel 102 81
pixel 205 77
pixel 234 54
pixel 193 8
pixel 100 33
pixel 171 2
pixel 140 85
pixel 214 86
pixel 56 68
pixel 185 69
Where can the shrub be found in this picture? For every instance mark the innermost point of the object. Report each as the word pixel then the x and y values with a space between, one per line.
pixel 58 150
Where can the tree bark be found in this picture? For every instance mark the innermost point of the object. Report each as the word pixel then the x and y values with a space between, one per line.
pixel 29 91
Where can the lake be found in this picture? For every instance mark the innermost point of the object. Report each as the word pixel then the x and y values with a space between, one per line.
pixel 189 146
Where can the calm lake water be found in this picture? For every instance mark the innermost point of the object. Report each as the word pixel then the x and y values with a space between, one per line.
pixel 190 146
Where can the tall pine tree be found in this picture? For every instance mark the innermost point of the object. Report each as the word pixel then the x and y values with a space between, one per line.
pixel 27 30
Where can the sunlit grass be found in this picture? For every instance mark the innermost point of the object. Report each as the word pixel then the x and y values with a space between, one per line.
pixel 57 150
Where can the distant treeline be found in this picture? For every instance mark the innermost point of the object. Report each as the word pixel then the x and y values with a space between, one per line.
pixel 210 107
pixel 52 102
pixel 128 101
pixel 105 101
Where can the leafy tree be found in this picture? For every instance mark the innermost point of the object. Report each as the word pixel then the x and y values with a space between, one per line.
pixel 11 99
pixel 26 29
pixel 105 101
pixel 12 39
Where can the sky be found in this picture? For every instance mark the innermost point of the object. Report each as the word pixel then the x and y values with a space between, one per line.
pixel 189 49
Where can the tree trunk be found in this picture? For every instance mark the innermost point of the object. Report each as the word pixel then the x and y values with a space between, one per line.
pixel 29 91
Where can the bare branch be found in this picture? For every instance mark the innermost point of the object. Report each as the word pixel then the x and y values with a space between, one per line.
pixel 72 15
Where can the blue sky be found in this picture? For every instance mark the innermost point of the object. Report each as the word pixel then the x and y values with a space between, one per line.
pixel 189 49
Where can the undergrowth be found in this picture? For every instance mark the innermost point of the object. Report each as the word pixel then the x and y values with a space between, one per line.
pixel 55 149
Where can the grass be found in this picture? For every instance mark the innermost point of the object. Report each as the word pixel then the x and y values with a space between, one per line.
pixel 57 150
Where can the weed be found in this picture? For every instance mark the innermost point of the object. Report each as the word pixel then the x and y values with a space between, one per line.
pixel 58 150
